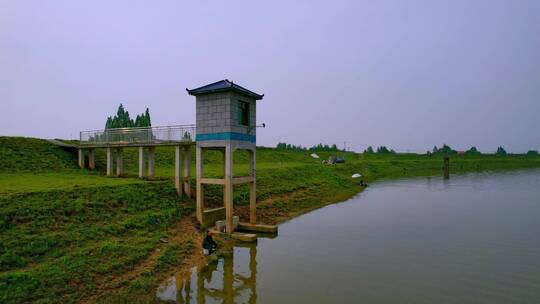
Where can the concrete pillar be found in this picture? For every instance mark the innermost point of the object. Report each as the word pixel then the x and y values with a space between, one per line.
pixel 141 162
pixel 151 161
pixel 109 162
pixel 81 158
pixel 119 162
pixel 200 191
pixel 252 188
pixel 178 172
pixel 91 159
pixel 187 171
pixel 228 198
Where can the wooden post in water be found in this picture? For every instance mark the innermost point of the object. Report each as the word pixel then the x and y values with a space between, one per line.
pixel 446 167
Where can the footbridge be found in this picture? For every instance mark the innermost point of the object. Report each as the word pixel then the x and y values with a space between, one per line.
pixel 146 140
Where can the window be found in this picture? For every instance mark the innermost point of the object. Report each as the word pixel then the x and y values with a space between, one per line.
pixel 243 113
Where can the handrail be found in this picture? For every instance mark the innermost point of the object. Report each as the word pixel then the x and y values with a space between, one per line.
pixel 139 135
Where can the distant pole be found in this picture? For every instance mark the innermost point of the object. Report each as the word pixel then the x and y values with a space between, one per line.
pixel 446 167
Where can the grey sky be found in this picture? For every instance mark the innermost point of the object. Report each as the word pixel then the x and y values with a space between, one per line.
pixel 406 74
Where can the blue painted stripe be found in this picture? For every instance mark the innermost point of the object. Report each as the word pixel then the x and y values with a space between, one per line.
pixel 225 136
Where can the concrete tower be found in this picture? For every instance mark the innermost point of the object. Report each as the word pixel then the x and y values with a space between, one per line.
pixel 226 121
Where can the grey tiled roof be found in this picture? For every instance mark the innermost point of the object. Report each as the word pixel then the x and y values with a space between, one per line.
pixel 223 86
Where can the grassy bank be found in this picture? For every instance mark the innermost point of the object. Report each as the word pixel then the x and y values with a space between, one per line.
pixel 69 235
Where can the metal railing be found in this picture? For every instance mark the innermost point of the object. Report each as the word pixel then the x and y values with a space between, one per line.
pixel 134 136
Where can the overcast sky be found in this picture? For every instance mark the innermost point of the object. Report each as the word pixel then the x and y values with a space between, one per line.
pixel 405 74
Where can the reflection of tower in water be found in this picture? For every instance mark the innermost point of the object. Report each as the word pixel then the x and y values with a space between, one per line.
pixel 233 285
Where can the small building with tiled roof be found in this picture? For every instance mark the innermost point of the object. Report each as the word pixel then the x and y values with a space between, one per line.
pixel 225 111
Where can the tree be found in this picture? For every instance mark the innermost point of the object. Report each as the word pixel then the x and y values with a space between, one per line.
pixel 321 147
pixel 444 150
pixel 122 119
pixel 382 150
pixel 500 151
pixel 473 151
pixel 532 152
pixel 147 120
pixel 385 150
pixel 286 146
pixel 369 150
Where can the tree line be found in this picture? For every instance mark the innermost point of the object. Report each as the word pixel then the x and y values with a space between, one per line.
pixel 447 150
pixel 380 150
pixel 122 119
pixel 320 147
pixel 443 150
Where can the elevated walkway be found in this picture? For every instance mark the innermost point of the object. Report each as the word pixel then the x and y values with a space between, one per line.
pixel 146 140
pixel 139 137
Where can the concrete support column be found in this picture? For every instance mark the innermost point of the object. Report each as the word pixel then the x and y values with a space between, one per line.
pixel 91 159
pixel 178 172
pixel 228 198
pixel 141 162
pixel 119 162
pixel 81 158
pixel 151 161
pixel 200 191
pixel 187 171
pixel 109 162
pixel 252 188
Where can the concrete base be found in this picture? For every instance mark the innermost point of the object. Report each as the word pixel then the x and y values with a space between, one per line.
pixel 211 216
pixel 238 236
pixel 258 228
pixel 244 237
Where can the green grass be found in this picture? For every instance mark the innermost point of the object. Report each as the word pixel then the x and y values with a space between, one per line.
pixel 61 244
pixel 28 182
pixel 65 232
pixel 20 154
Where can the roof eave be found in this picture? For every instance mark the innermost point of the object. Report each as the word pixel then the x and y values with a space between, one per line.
pixel 231 89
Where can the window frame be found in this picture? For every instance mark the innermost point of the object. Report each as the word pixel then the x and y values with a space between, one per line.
pixel 243 114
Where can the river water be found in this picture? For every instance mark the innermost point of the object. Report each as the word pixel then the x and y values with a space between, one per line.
pixel 473 238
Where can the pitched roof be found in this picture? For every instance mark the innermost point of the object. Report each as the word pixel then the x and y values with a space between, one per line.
pixel 223 86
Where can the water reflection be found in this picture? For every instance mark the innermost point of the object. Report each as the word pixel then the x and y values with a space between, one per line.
pixel 221 281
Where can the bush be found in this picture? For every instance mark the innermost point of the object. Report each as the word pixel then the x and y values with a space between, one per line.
pixel 444 150
pixel 10 260
pixel 500 151
pixel 473 151
pixel 385 150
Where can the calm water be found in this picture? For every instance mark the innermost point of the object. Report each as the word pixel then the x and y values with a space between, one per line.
pixel 471 239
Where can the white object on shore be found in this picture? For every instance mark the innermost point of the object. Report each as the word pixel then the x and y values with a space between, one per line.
pixel 314 155
pixel 356 175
